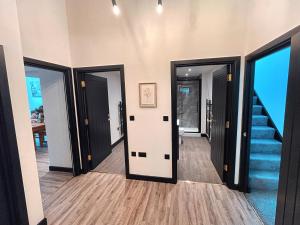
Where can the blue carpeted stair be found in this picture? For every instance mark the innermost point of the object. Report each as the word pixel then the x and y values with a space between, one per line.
pixel 265 153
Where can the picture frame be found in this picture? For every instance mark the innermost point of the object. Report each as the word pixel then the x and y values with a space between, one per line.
pixel 148 95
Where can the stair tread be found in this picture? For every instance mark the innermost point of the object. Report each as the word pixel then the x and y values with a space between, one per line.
pixel 262 128
pixel 259 116
pixel 261 174
pixel 265 141
pixel 264 156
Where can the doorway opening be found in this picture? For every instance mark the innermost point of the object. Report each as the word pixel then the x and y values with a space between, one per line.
pixel 53 124
pixel 102 119
pixel 265 129
pixel 203 141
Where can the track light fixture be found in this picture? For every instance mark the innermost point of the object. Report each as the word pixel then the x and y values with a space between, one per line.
pixel 159 7
pixel 116 9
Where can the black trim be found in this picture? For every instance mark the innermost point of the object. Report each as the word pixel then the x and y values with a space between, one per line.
pixel 70 105
pixel 286 212
pixel 9 156
pixel 271 47
pixel 60 169
pixel 204 135
pixel 81 111
pixel 117 142
pixel 43 222
pixel 151 178
pixel 232 111
pixel 288 200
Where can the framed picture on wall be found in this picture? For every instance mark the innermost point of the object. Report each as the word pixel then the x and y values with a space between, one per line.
pixel 35 87
pixel 147 93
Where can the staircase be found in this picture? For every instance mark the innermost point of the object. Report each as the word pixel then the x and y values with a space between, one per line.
pixel 265 153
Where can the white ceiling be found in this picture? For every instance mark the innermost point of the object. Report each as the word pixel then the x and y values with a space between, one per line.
pixel 196 71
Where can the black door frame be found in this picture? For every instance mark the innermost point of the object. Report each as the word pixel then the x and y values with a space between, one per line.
pixel 9 157
pixel 82 114
pixel 199 79
pixel 290 155
pixel 67 71
pixel 231 111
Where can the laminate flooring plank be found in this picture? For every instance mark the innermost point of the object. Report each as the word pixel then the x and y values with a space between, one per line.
pixel 50 181
pixel 194 162
pixel 110 199
pixel 114 163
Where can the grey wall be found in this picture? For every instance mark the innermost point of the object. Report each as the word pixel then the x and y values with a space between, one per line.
pixel 188 106
pixel 206 94
pixel 56 117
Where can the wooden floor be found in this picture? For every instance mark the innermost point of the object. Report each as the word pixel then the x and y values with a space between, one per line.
pixel 50 181
pixel 114 163
pixel 110 199
pixel 194 162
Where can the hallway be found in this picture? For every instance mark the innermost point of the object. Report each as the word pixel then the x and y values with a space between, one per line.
pixel 99 198
pixel 114 163
pixel 194 162
pixel 50 181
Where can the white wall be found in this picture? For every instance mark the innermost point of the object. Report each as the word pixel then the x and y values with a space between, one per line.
pixel 145 43
pixel 114 97
pixel 10 39
pixel 205 94
pixel 44 30
pixel 56 117
pixel 267 20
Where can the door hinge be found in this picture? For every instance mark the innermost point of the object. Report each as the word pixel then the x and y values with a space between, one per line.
pixel 229 77
pixel 86 121
pixel 89 157
pixel 225 167
pixel 227 125
pixel 82 84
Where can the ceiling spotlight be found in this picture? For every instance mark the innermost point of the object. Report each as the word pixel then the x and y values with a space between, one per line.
pixel 116 9
pixel 186 74
pixel 159 7
pixel 190 69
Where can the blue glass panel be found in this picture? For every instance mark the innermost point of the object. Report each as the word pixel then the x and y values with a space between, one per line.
pixel 34 92
pixel 270 84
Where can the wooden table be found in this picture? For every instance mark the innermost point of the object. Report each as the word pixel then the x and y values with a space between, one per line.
pixel 40 129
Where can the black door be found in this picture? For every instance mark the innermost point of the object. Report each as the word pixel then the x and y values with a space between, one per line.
pixel 219 95
pixel 98 118
pixel 4 206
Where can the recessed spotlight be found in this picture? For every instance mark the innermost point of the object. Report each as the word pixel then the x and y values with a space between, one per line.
pixel 159 7
pixel 186 74
pixel 190 69
pixel 116 9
